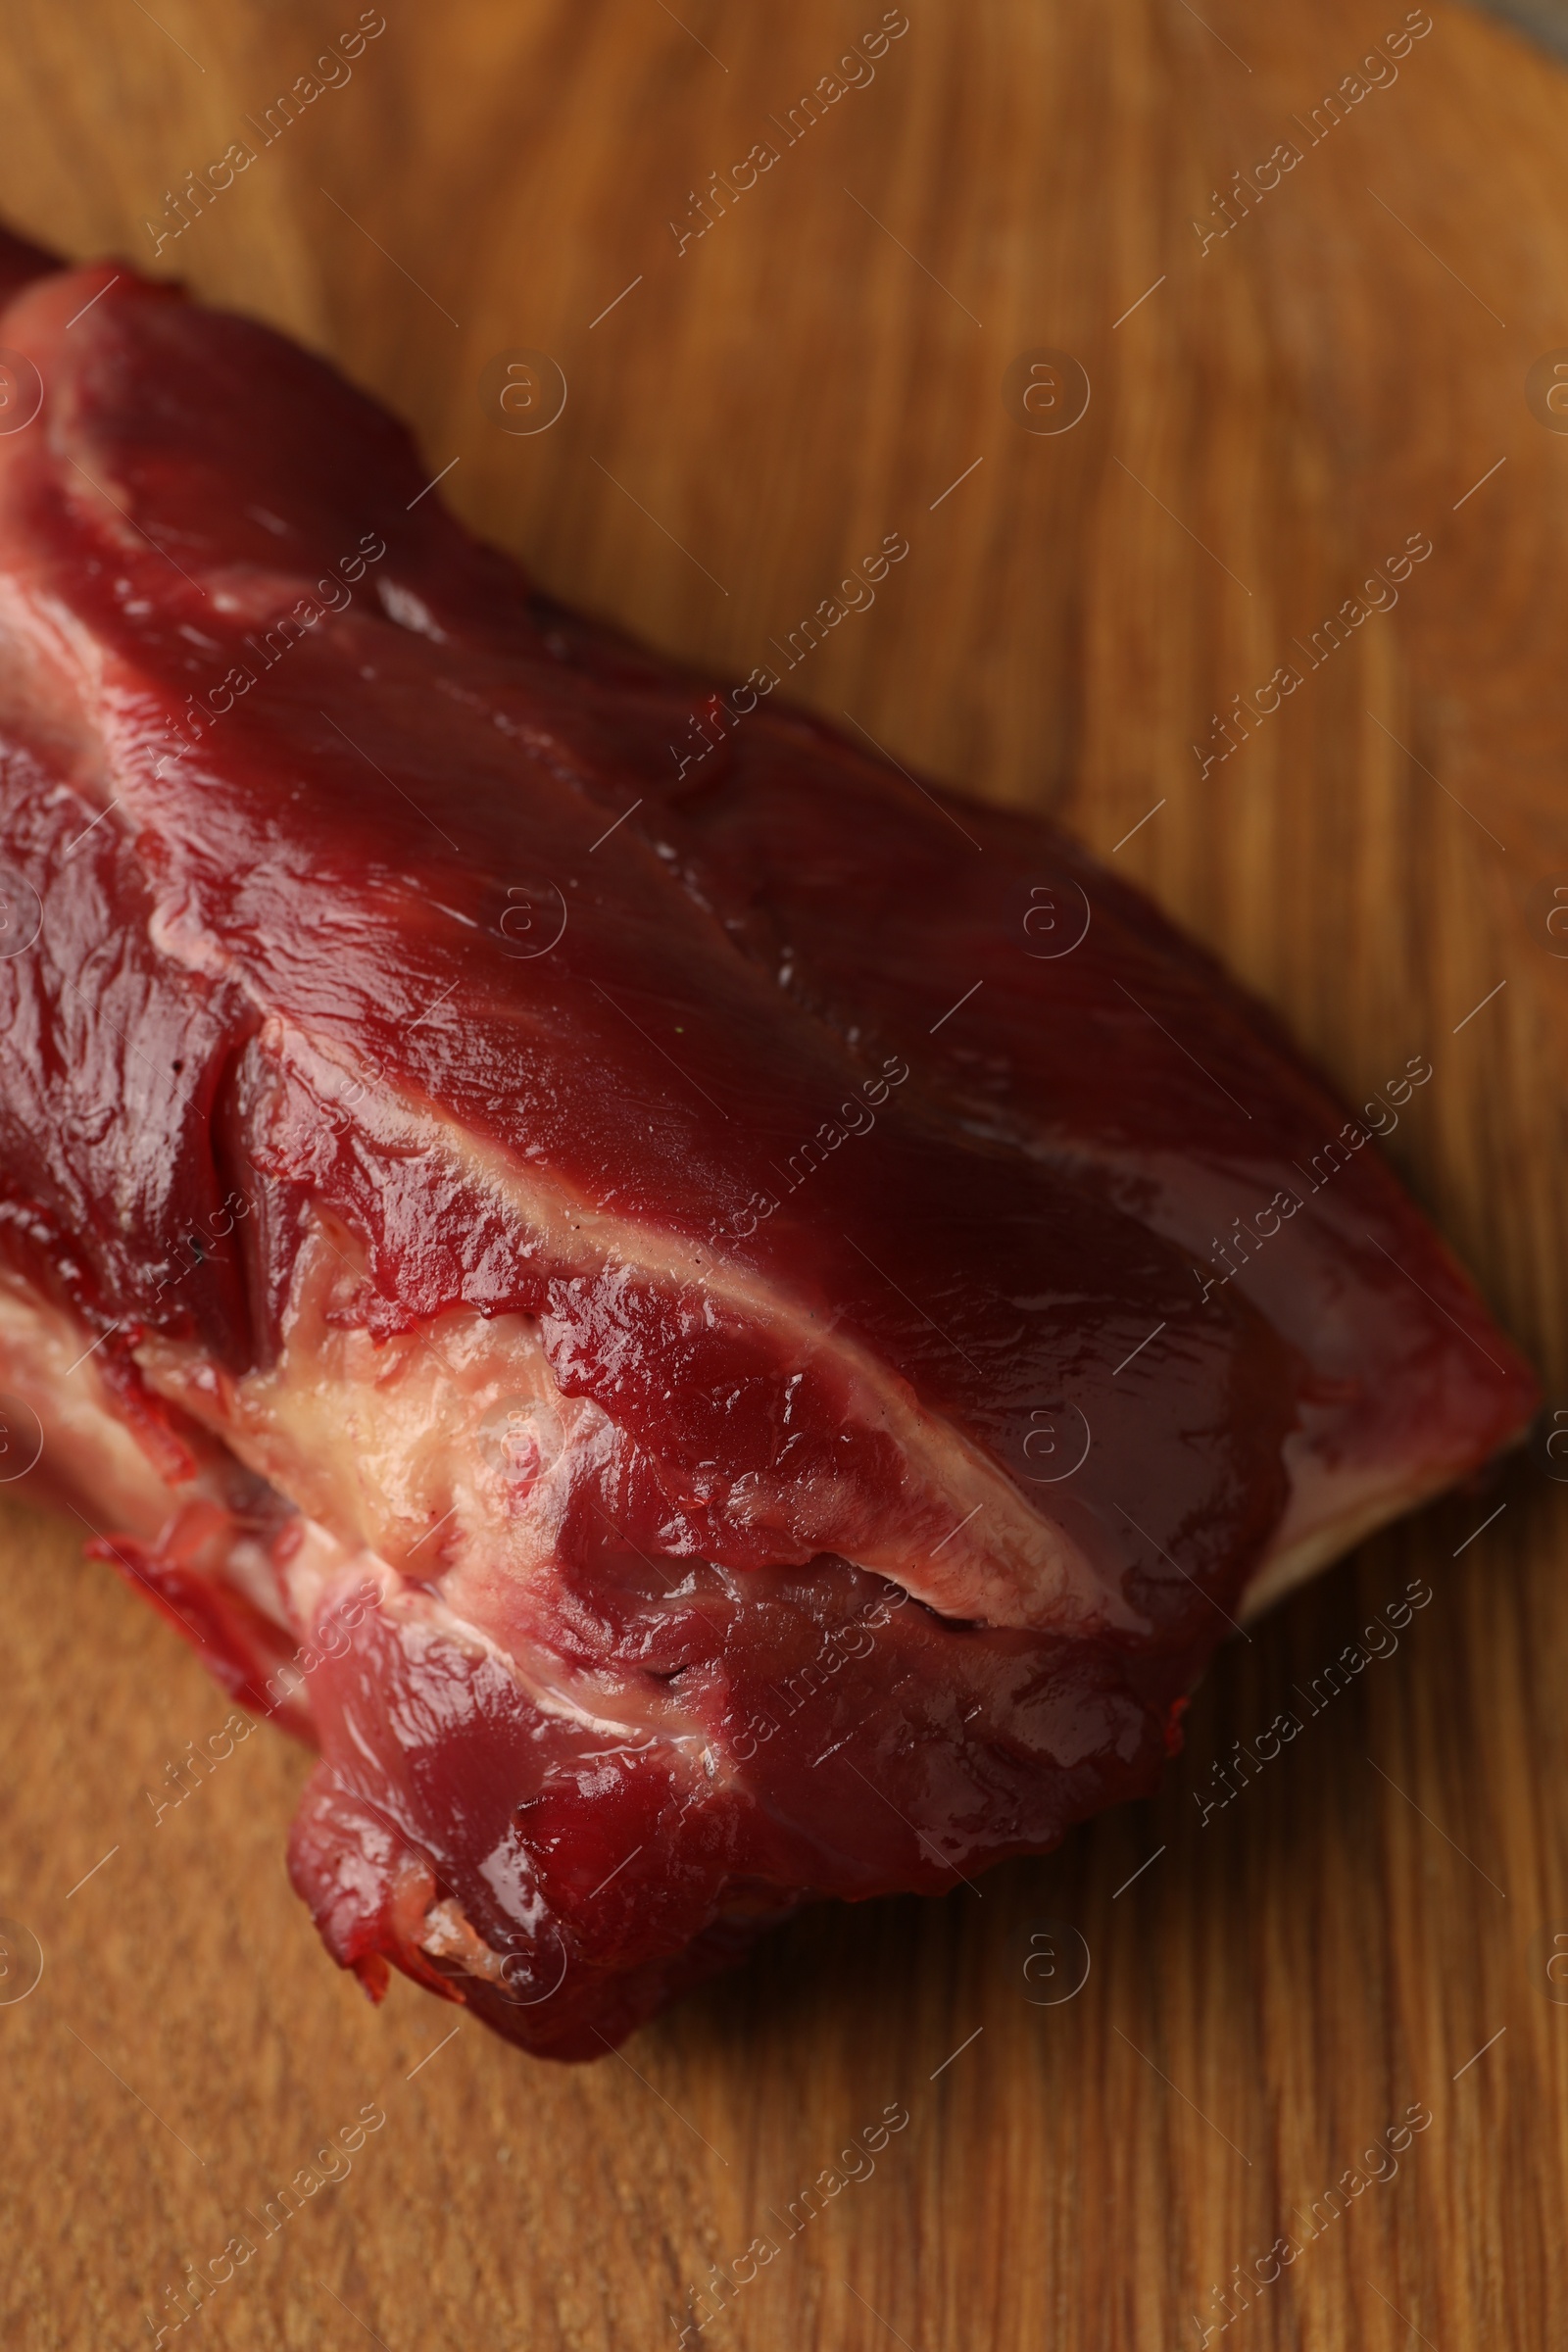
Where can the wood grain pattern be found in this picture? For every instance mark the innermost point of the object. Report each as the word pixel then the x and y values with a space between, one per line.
pixel 1277 417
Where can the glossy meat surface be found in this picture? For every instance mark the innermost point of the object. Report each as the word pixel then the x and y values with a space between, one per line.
pixel 714 1326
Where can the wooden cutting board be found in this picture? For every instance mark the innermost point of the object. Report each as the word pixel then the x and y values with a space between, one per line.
pixel 1281 399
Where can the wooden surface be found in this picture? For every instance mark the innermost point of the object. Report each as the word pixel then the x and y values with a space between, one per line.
pixel 1278 417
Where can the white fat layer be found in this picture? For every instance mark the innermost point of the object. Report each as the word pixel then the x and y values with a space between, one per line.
pixel 959 1535
pixel 90 1451
pixel 450 1451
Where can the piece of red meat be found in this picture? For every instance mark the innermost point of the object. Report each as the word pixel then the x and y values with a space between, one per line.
pixel 714 1326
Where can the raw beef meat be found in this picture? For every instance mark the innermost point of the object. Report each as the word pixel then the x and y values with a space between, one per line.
pixel 713 1325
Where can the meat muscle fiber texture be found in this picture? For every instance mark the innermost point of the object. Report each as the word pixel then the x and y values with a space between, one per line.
pixel 713 1329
